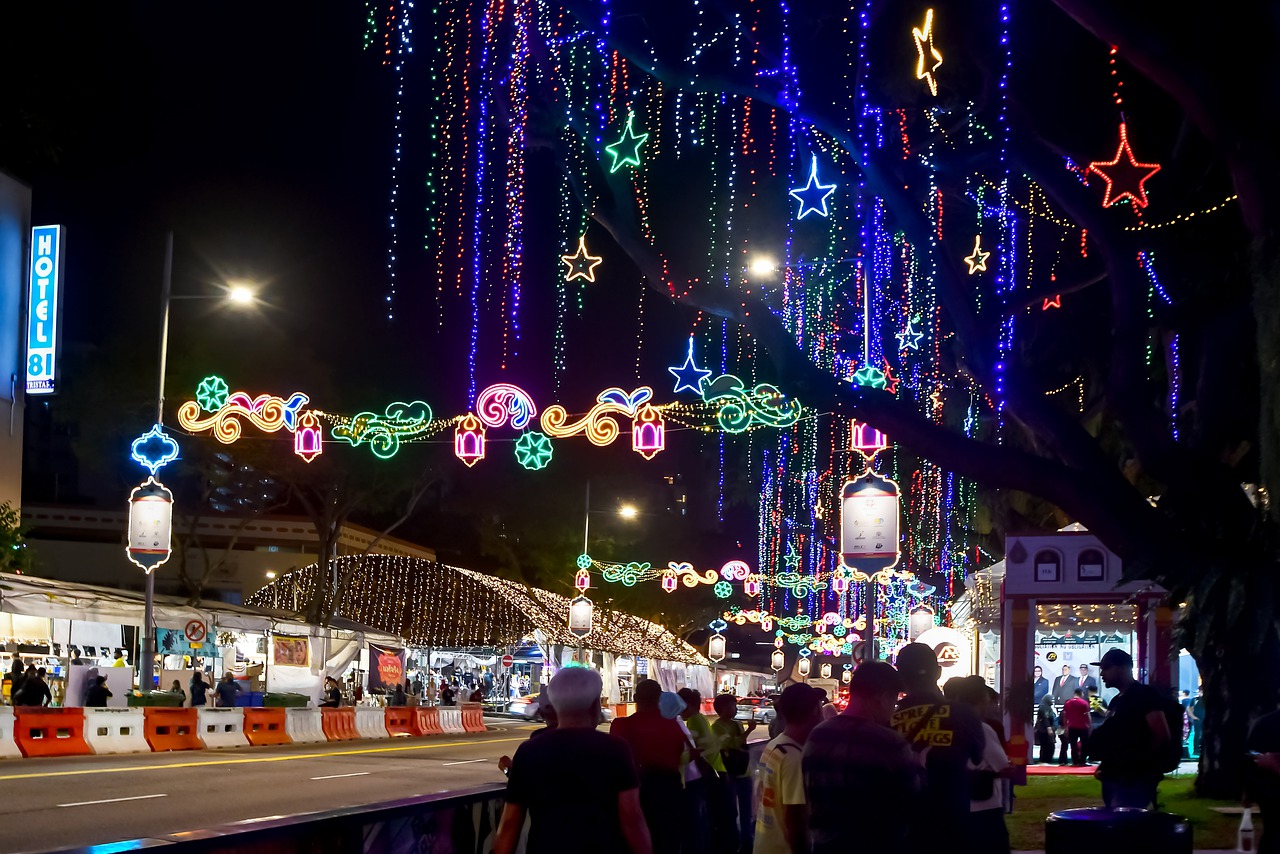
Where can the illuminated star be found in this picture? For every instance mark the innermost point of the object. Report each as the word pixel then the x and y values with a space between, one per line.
pixel 1124 175
pixel 626 151
pixel 978 260
pixel 792 560
pixel 927 53
pixel 581 265
pixel 813 195
pixel 869 376
pixel 909 339
pixel 890 381
pixel 1055 302
pixel 689 375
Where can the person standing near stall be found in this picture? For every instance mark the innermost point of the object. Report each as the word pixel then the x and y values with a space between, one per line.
pixel 199 690
pixel 227 689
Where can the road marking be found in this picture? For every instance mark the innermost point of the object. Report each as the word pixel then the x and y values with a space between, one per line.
pixel 336 776
pixel 112 800
pixel 286 758
pixel 464 762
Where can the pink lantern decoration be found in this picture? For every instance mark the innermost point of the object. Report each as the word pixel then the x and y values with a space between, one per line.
pixel 648 432
pixel 767 625
pixel 582 580
pixel 866 439
pixel 468 440
pixel 669 581
pixel 751 585
pixel 308 440
pixel 839 583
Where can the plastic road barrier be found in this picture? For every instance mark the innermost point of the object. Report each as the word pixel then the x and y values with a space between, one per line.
pixel 50 732
pixel 451 719
pixel 264 726
pixel 171 729
pixel 221 727
pixel 8 746
pixel 339 724
pixel 303 725
pixel 426 721
pixel 372 722
pixel 400 720
pixel 115 730
pixel 473 717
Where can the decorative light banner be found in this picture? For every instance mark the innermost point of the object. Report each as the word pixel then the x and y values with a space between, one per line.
pixel 869 525
pixel 44 310
pixel 150 524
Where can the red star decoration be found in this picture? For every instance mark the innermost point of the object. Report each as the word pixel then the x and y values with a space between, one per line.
pixel 890 381
pixel 1124 175
pixel 1056 302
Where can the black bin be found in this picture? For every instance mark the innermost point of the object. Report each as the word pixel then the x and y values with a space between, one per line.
pixel 1098 830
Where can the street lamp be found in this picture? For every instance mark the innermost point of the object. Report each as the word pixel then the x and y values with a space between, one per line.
pixel 762 267
pixel 153 514
pixel 625 511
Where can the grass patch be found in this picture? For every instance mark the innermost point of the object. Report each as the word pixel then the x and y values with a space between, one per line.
pixel 1043 795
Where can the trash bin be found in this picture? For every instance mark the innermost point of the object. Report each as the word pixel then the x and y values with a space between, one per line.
pixel 153 698
pixel 285 699
pixel 1120 831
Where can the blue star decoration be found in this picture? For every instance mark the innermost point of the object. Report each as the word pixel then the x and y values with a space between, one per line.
pixel 626 151
pixel 689 375
pixel 813 195
pixel 909 339
pixel 154 449
pixel 792 560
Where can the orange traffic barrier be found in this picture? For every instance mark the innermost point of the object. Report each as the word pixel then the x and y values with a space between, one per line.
pixel 426 721
pixel 265 726
pixel 338 724
pixel 473 717
pixel 171 728
pixel 50 732
pixel 401 720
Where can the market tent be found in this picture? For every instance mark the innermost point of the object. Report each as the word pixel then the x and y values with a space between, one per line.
pixel 436 605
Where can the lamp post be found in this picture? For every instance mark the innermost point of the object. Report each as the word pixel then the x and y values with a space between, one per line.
pixel 238 295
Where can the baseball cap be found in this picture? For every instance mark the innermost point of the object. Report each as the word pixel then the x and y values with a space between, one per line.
pixel 1115 658
pixel 797 701
pixel 917 659
pixel 876 678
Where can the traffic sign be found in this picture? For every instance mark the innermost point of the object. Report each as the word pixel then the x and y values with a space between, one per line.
pixel 195 631
pixel 860 652
pixel 507 661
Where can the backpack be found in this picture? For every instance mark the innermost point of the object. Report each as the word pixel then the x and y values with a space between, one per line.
pixel 1170 756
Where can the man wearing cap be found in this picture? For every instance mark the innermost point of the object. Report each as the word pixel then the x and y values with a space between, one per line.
pixel 950 737
pixel 861 778
pixel 782 815
pixel 1129 743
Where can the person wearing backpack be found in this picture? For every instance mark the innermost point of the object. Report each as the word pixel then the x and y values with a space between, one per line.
pixel 1133 744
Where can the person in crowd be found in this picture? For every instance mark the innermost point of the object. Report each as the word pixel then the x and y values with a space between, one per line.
pixel 707 793
pixel 862 781
pixel 1075 718
pixel 199 690
pixel 574 758
pixel 433 690
pixel 948 734
pixel 1129 743
pixel 227 690
pixel 1086 681
pixel 399 697
pixel 477 696
pixel 1262 777
pixel 332 694
pixel 75 655
pixel 417 685
pixel 1046 724
pixel 98 694
pixel 1197 724
pixel 15 678
pixel 447 694
pixel 119 662
pixel 737 763
pixel 176 688
pixel 782 812
pixel 657 744
pixel 34 691
pixel 1064 685
pixel 1039 685
pixel 1097 708
pixel 986 832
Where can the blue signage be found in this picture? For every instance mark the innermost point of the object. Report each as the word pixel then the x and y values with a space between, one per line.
pixel 44 319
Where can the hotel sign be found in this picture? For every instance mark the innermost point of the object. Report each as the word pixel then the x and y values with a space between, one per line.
pixel 44 303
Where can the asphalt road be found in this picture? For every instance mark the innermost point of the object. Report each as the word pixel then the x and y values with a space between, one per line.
pixel 54 803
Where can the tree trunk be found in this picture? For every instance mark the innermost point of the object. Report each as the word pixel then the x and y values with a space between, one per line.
pixel 1266 308
pixel 1235 689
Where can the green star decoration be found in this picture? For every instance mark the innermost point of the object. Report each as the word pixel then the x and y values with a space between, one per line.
pixel 626 151
pixel 533 450
pixel 212 393
pixel 723 589
pixel 584 561
pixel 869 376
pixel 792 560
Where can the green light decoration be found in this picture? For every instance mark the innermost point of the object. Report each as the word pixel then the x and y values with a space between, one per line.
pixel 533 451
pixel 792 559
pixel 212 393
pixel 839 631
pixel 800 585
pixel 799 621
pixel 740 409
pixel 723 589
pixel 584 561
pixel 870 377
pixel 628 574
pixel 400 422
pixel 626 151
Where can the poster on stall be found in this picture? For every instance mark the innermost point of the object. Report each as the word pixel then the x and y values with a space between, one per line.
pixel 386 668
pixel 290 651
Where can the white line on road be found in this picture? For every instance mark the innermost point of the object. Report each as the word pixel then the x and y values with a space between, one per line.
pixel 336 776
pixel 464 762
pixel 112 800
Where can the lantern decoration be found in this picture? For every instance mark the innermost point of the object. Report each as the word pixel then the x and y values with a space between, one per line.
pixel 468 439
pixel 581 610
pixel 648 432
pixel 847 675
pixel 866 439
pixel 803 665
pixel 920 621
pixel 582 580
pixel 751 585
pixel 777 660
pixel 150 524
pixel 308 440
pixel 869 524
pixel 840 582
pixel 825 670
pixel 717 625
pixel 154 449
pixel 669 581
pixel 716 647
pixel 766 625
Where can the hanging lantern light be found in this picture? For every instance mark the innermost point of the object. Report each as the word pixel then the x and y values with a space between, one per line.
pixel 581 610
pixel 669 581
pixel 648 432
pixel 308 440
pixel 582 581
pixel 840 583
pixel 803 666
pixel 716 647
pixel 150 524
pixel 847 675
pixel 751 585
pixel 825 670
pixel 468 439
pixel 777 660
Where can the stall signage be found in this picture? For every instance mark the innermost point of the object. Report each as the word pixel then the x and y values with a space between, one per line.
pixel 869 523
pixel 386 667
pixel 44 320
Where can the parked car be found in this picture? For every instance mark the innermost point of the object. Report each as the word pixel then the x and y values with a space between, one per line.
pixel 756 708
pixel 527 708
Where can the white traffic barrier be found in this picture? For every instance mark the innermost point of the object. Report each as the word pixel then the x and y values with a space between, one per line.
pixel 115 730
pixel 8 746
pixel 304 726
pixel 451 719
pixel 371 722
pixel 221 727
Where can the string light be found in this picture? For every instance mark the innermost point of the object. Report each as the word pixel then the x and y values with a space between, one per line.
pixel 929 59
pixel 1125 177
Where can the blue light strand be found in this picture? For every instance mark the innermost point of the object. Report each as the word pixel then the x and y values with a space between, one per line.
pixel 477 263
pixel 1175 357
pixel 403 47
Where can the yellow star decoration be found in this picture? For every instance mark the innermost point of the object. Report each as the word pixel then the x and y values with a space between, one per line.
pixel 581 265
pixel 978 260
pixel 924 39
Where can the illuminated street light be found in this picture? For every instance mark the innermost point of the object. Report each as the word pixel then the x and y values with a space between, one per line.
pixel 241 294
pixel 762 267
pixel 628 511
